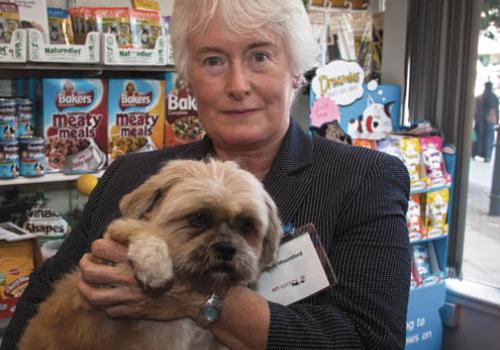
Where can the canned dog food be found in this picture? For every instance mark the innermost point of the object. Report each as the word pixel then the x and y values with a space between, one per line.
pixel 9 159
pixel 25 120
pixel 8 119
pixel 32 156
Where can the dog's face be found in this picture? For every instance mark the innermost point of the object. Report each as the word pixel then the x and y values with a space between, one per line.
pixel 220 224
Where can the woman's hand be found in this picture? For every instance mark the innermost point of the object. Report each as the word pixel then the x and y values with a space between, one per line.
pixel 108 282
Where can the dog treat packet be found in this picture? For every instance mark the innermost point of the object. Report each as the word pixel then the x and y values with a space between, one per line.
pixel 136 116
pixel 9 21
pixel 115 21
pixel 410 153
pixel 60 29
pixel 414 218
pixel 433 161
pixel 182 123
pixel 84 21
pixel 371 144
pixel 390 145
pixel 50 228
pixel 75 125
pixel 416 280
pixel 436 211
pixel 146 28
pixel 421 258
pixel 16 264
pixel 77 22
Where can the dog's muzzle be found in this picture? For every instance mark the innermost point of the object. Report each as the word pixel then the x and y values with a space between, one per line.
pixel 224 250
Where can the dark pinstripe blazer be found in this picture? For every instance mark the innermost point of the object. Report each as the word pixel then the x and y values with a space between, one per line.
pixel 357 198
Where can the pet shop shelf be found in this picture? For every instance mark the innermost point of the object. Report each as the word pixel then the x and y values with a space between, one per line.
pixel 114 55
pixel 424 327
pixel 47 178
pixel 39 50
pixel 16 50
pixel 43 70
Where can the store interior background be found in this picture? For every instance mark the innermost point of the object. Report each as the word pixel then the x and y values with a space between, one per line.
pixel 475 295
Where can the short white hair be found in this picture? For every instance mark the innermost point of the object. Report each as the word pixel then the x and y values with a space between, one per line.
pixel 287 18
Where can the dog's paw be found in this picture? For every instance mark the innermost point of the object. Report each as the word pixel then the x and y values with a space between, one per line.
pixel 152 262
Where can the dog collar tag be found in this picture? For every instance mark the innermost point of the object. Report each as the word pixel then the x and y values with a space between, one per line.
pixel 299 271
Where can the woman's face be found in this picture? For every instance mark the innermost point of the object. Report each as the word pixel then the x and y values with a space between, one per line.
pixel 243 87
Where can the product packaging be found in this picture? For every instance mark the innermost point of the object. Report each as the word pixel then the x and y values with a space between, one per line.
pixel 414 218
pixel 146 28
pixel 182 125
pixel 19 255
pixel 433 161
pixel 436 212
pixel 60 29
pixel 136 116
pixel 411 156
pixel 115 21
pixel 9 21
pixel 75 124
pixel 84 21
pixel 48 226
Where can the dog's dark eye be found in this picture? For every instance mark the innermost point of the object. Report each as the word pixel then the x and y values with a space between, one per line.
pixel 200 219
pixel 245 225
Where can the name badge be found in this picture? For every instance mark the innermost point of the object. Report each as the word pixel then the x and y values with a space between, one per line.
pixel 302 269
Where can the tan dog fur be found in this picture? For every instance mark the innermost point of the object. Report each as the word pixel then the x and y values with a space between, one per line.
pixel 160 224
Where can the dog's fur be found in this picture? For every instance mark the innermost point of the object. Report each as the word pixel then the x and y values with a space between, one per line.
pixel 173 224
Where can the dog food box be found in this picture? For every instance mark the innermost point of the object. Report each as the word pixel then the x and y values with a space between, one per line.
pixel 182 124
pixel 19 255
pixel 136 116
pixel 75 125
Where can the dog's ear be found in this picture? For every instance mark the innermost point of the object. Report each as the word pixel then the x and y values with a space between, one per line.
pixel 140 201
pixel 273 236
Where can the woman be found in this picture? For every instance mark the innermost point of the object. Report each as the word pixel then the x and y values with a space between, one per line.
pixel 244 60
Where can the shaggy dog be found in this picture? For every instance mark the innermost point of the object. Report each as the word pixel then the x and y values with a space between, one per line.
pixel 208 225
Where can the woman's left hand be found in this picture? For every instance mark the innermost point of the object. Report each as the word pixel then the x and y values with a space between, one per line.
pixel 108 282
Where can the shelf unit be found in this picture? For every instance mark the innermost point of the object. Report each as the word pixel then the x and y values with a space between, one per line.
pixel 424 328
pixel 47 178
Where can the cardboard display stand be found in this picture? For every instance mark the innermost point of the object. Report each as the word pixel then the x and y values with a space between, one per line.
pixel 39 50
pixel 15 51
pixel 113 55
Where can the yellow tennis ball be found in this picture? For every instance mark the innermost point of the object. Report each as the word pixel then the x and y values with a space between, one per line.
pixel 86 183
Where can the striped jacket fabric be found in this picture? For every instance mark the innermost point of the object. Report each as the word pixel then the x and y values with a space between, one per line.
pixel 357 200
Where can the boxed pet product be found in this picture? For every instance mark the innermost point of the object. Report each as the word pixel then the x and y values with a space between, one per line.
pixel 33 14
pixel 75 125
pixel 136 116
pixel 182 123
pixel 19 255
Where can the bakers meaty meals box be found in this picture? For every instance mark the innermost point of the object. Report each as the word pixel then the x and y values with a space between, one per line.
pixel 136 116
pixel 75 125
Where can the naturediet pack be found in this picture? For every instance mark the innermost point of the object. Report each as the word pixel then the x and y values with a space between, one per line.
pixel 136 116
pixel 75 124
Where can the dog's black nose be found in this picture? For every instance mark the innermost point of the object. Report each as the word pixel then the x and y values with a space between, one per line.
pixel 224 250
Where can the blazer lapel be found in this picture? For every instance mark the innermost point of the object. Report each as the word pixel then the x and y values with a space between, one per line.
pixel 289 178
